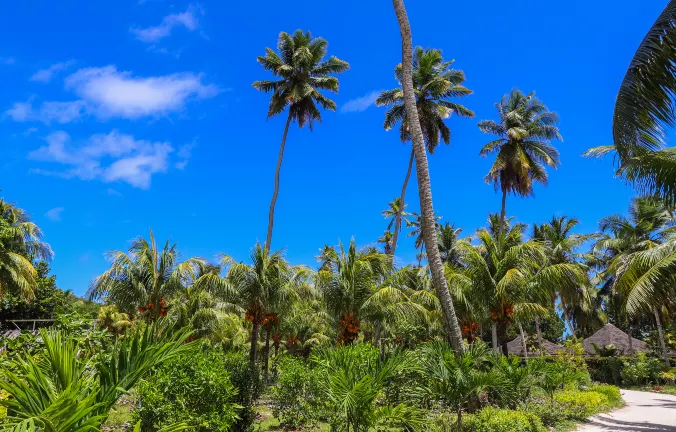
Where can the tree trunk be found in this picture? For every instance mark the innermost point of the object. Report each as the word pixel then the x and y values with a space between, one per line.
pixel 267 357
pixel 539 333
pixel 567 319
pixel 254 343
pixel 271 214
pixel 523 341
pixel 630 340
pixel 397 223
pixel 503 215
pixel 376 335
pixel 459 425
pixel 424 185
pixel 660 334
pixel 502 338
pixel 494 336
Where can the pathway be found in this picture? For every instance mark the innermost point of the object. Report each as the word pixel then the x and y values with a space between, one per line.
pixel 644 412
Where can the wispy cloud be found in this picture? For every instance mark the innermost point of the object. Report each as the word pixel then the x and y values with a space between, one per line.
pixel 108 93
pixel 54 214
pixel 113 192
pixel 184 154
pixel 187 20
pixel 360 104
pixel 109 158
pixel 7 60
pixel 46 75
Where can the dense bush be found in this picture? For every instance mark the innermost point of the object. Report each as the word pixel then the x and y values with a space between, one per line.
pixel 501 420
pixel 641 370
pixel 609 391
pixel 607 370
pixel 582 404
pixel 296 396
pixel 248 383
pixel 195 389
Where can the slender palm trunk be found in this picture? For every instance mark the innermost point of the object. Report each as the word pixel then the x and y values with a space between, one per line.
pixel 660 334
pixel 271 214
pixel 566 318
pixel 267 356
pixel 254 343
pixel 397 223
pixel 376 335
pixel 523 341
pixel 503 215
pixel 539 333
pixel 494 336
pixel 630 339
pixel 424 186
pixel 459 419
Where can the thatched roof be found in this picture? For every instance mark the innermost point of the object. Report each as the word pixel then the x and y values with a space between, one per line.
pixel 515 347
pixel 611 335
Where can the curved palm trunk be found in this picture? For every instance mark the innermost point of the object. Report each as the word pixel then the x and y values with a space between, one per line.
pixel 254 343
pixel 630 340
pixel 660 334
pixel 271 214
pixel 424 186
pixel 566 318
pixel 397 223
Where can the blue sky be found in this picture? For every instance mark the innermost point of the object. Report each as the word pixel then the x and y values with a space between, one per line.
pixel 122 116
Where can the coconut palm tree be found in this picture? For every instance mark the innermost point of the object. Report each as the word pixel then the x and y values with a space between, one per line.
pixel 644 109
pixel 451 326
pixel 447 239
pixel 416 224
pixel 396 214
pixel 563 247
pixel 640 252
pixel 386 241
pixel 302 72
pixel 347 281
pixel 435 85
pixel 144 278
pixel 524 130
pixel 20 244
pixel 261 289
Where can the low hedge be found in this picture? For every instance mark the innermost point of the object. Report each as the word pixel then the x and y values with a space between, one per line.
pixel 492 420
pixel 609 391
pixel 582 404
pixel 573 404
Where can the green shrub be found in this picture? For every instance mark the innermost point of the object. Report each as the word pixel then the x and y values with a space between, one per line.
pixel 296 397
pixel 550 412
pixel 609 391
pixel 195 389
pixel 607 370
pixel 501 420
pixel 581 404
pixel 641 370
pixel 248 383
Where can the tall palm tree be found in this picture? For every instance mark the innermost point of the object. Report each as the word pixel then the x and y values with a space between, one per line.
pixel 416 223
pixel 447 240
pixel 302 73
pixel 386 240
pixel 524 130
pixel 434 84
pixel 641 260
pixel 562 246
pixel 451 325
pixel 20 244
pixel 348 280
pixel 144 278
pixel 644 109
pixel 396 213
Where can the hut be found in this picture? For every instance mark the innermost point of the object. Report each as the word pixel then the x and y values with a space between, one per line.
pixel 515 347
pixel 611 335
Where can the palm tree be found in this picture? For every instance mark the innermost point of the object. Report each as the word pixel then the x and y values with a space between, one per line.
pixel 302 73
pixel 424 185
pixel 524 130
pixel 562 246
pixel 644 109
pixel 456 378
pixel 386 240
pixel 417 232
pixel 347 281
pixel 144 278
pixel 435 84
pixel 396 214
pixel 640 257
pixel 20 244
pixel 447 240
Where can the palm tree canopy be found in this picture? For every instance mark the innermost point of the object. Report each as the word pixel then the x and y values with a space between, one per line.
pixel 524 130
pixel 435 84
pixel 303 72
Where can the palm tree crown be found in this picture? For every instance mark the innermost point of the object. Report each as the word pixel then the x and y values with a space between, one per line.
pixel 302 72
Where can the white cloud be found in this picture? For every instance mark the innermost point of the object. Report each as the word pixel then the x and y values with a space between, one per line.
pixel 108 158
pixel 187 19
pixel 46 75
pixel 107 93
pixel 184 154
pixel 54 214
pixel 360 104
